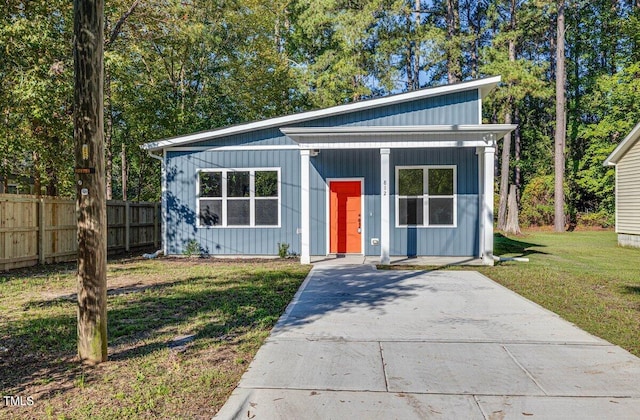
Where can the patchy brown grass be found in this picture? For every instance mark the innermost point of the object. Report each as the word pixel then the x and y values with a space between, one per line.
pixel 221 309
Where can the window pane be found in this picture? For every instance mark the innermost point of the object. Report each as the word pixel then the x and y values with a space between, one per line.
pixel 410 211
pixel 237 184
pixel 210 212
pixel 266 212
pixel 440 181
pixel 266 184
pixel 410 182
pixel 441 211
pixel 238 212
pixel 210 184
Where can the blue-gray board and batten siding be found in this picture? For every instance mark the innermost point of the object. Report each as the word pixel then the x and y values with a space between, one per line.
pixel 181 201
pixel 452 109
pixel 182 166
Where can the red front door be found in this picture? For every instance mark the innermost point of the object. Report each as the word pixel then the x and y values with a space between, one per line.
pixel 345 222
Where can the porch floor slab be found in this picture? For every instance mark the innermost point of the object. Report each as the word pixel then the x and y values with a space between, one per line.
pixel 355 259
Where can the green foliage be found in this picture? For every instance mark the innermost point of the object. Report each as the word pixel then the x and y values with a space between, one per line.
pixel 178 67
pixel 598 219
pixel 283 250
pixel 537 202
pixel 192 249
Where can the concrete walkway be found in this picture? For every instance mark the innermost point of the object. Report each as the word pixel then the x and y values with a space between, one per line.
pixel 356 343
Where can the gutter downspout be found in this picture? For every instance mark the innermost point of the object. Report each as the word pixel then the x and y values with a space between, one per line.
pixel 163 202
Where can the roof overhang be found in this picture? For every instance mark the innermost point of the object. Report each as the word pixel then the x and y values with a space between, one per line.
pixel 623 147
pixel 368 137
pixel 484 86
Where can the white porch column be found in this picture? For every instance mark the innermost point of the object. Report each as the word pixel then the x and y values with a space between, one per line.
pixel 385 196
pixel 305 216
pixel 487 205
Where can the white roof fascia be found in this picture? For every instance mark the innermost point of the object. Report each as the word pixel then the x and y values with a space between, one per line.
pixel 391 134
pixel 423 143
pixel 484 86
pixel 623 147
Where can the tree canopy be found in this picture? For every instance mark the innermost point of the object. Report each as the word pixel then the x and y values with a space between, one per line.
pixel 178 66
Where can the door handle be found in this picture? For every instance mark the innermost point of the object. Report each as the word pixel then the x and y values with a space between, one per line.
pixel 359 224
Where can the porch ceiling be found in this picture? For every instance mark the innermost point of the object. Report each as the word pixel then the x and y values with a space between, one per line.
pixel 477 135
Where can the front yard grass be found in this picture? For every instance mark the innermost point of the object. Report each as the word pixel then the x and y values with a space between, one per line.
pixel 181 333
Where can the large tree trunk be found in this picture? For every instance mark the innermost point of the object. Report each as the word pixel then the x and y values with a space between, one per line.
pixel 513 226
pixel 504 172
pixel 559 218
pixel 91 204
pixel 517 143
pixel 506 143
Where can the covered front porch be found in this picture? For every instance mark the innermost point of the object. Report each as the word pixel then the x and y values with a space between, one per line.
pixel 469 149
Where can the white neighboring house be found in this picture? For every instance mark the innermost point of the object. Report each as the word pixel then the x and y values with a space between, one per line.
pixel 626 159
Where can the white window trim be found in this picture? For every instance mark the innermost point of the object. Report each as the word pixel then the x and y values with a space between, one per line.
pixel 425 197
pixel 252 198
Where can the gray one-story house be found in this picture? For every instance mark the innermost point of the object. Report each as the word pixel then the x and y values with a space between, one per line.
pixel 410 174
pixel 626 159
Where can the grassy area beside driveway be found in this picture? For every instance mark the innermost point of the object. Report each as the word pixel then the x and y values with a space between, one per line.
pixel 583 276
pixel 181 333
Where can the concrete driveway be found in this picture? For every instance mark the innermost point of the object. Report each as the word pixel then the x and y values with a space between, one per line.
pixel 365 344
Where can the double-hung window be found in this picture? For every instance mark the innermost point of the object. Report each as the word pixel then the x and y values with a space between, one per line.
pixel 239 197
pixel 426 196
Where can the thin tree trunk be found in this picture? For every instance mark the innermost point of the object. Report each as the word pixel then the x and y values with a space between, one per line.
pixel 517 176
pixel 123 157
pixel 113 35
pixel 416 45
pixel 52 185
pixel 475 27
pixel 560 134
pixel 409 58
pixel 4 186
pixel 108 136
pixel 36 174
pixel 454 72
pixel 90 204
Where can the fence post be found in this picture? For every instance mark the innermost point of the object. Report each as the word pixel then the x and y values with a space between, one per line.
pixel 155 225
pixel 127 226
pixel 41 231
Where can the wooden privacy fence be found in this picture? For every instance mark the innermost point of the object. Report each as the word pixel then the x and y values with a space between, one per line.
pixel 43 230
